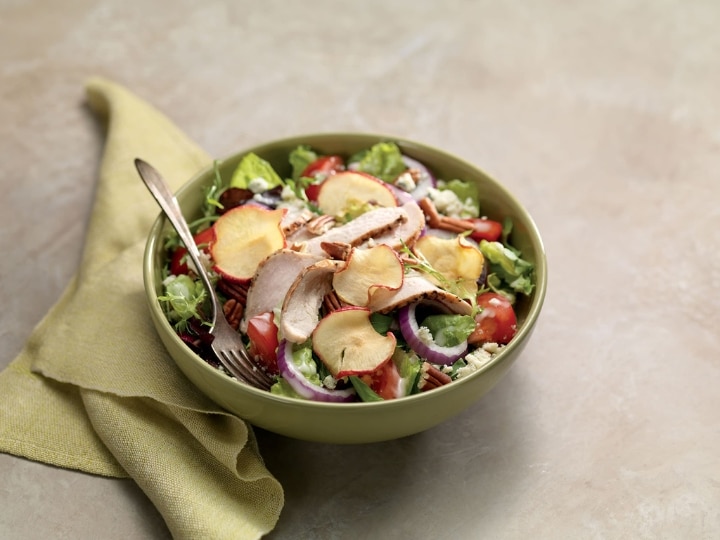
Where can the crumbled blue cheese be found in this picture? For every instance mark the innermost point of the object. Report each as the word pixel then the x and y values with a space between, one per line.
pixel 330 382
pixel 449 204
pixel 477 359
pixel 291 200
pixel 406 182
pixel 258 185
pixel 425 335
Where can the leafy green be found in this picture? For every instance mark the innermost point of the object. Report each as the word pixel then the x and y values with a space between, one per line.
pixel 383 160
pixel 467 193
pixel 302 357
pixel 183 298
pixel 300 158
pixel 509 274
pixel 381 323
pixel 283 388
pixel 449 330
pixel 211 202
pixel 354 209
pixel 364 392
pixel 252 167
pixel 408 365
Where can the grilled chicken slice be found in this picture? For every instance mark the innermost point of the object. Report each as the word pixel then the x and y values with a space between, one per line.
pixel 407 232
pixel 415 288
pixel 301 309
pixel 370 224
pixel 272 281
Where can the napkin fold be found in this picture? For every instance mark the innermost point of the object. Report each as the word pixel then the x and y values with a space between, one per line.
pixel 94 389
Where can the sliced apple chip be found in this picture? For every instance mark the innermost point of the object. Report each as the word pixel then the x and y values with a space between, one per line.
pixel 351 188
pixel 346 342
pixel 457 259
pixel 367 270
pixel 244 237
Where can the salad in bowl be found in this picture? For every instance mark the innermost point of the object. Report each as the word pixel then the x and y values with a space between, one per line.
pixel 354 277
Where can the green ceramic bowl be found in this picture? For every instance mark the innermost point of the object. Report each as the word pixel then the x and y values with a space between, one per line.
pixel 351 422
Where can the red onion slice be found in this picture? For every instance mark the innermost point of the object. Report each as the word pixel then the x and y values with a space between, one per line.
pixel 427 179
pixel 433 353
pixel 301 385
pixel 401 195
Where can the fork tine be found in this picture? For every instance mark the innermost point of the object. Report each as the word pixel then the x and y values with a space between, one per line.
pixel 232 367
pixel 258 376
pixel 243 370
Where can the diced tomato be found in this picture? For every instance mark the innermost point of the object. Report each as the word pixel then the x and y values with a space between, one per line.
pixel 325 165
pixel 202 239
pixel 486 229
pixel 496 323
pixel 384 381
pixel 312 192
pixel 263 335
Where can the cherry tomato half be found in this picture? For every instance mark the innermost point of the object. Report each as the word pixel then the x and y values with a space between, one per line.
pixel 486 229
pixel 384 381
pixel 325 165
pixel 496 323
pixel 202 239
pixel 263 335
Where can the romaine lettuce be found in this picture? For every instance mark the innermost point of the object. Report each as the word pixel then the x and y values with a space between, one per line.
pixel 448 329
pixel 383 160
pixel 467 193
pixel 251 168
pixel 300 158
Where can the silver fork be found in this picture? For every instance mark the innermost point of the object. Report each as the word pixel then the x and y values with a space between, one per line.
pixel 227 343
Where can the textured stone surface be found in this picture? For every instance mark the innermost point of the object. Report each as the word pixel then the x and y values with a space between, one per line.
pixel 603 118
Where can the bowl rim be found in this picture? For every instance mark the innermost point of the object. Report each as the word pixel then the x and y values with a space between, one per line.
pixel 536 301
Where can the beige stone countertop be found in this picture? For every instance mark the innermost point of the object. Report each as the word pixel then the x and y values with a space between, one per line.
pixel 602 117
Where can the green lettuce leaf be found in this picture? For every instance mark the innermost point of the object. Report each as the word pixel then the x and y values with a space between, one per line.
pixel 364 392
pixel 302 357
pixel 251 168
pixel 381 323
pixel 300 158
pixel 382 160
pixel 449 330
pixel 183 298
pixel 467 192
pixel 509 274
pixel 282 388
pixel 408 365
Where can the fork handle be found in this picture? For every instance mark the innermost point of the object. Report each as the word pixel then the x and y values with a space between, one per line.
pixel 169 204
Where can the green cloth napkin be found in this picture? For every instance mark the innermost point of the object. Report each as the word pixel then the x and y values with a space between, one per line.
pixel 94 389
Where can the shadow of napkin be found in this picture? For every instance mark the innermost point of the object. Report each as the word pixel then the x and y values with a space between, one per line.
pixel 94 389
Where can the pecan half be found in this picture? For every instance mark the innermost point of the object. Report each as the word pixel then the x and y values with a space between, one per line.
pixel 233 312
pixel 332 302
pixel 431 377
pixel 320 224
pixel 236 291
pixel 339 251
pixel 438 221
